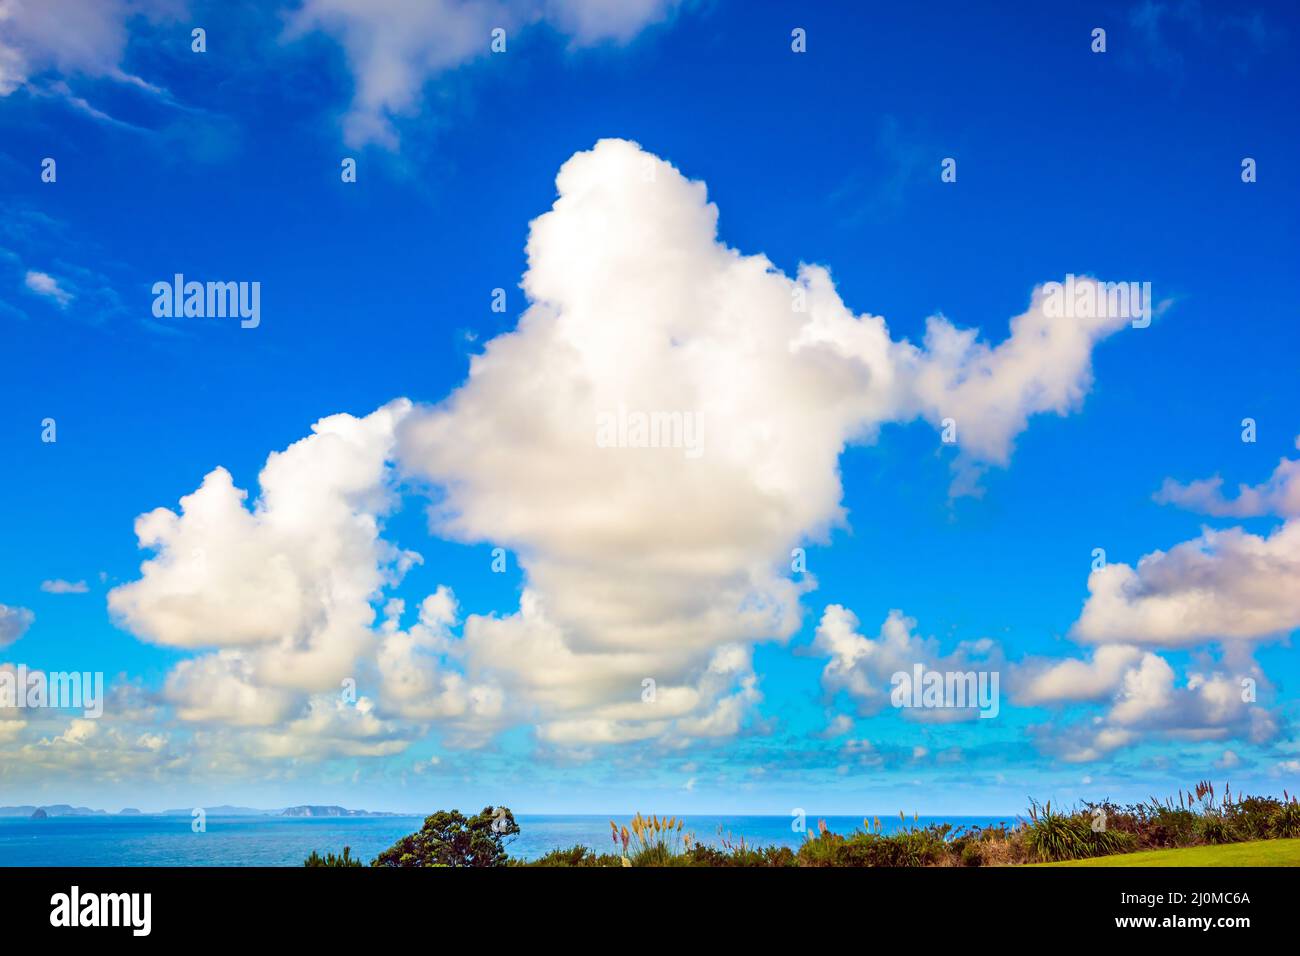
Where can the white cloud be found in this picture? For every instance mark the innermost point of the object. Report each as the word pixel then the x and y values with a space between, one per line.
pixel 594 21
pixel 220 688
pixel 1225 586
pixel 283 590
pixel 639 563
pixel 1146 702
pixel 14 622
pixel 46 285
pixel 1083 743
pixel 1279 496
pixel 1209 706
pixel 1228 761
pixel 394 47
pixel 1050 682
pixel 298 567
pixel 49 744
pixel 863 667
pixel 72 37
pixel 838 726
pixel 331 727
pixel 1145 690
pixel 279 598
pixel 59 586
pixel 1221 585
pixel 415 679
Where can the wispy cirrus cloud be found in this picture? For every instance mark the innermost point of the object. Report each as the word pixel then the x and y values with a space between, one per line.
pixel 43 43
pixel 393 48
pixel 1163 30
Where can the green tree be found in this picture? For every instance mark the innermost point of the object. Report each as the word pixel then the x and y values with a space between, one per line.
pixel 329 859
pixel 449 838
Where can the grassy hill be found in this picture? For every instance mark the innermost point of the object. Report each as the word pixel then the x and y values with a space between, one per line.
pixel 1254 853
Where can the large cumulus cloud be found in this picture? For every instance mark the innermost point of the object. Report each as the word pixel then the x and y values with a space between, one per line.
pixel 641 564
pixel 647 562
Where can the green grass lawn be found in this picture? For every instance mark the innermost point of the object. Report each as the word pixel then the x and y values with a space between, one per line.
pixel 1256 853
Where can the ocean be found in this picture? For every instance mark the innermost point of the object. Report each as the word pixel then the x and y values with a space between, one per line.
pixel 287 841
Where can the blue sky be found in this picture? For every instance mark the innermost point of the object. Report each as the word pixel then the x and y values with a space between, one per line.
pixel 225 165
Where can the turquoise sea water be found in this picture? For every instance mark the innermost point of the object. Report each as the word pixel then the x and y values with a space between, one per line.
pixel 286 841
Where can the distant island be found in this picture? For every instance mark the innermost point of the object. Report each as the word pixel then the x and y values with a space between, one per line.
pixel 33 812
pixel 314 811
pixel 55 810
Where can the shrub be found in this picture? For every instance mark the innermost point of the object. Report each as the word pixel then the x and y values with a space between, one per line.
pixel 924 846
pixel 1054 836
pixel 1286 822
pixel 741 856
pixel 768 856
pixel 1215 828
pixel 1253 817
pixel 1168 826
pixel 822 850
pixel 574 856
pixel 913 846
pixel 1110 842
